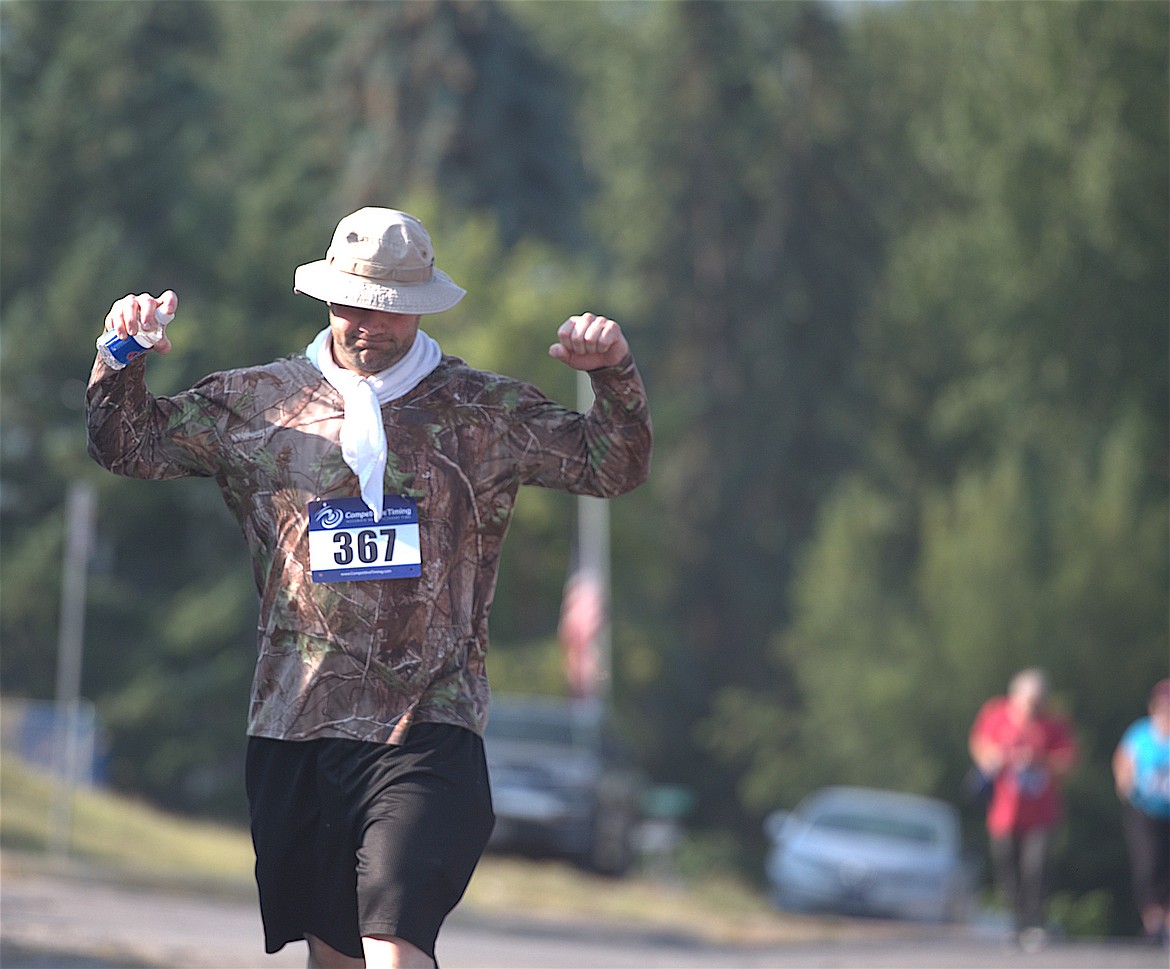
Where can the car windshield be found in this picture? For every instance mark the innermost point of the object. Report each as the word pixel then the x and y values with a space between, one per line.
pixel 538 726
pixel 908 829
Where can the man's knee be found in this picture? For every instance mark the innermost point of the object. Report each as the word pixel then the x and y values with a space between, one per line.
pixel 391 952
pixel 324 956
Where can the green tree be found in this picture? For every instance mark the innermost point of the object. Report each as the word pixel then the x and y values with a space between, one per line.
pixel 1011 508
pixel 737 243
pixel 89 206
pixel 450 99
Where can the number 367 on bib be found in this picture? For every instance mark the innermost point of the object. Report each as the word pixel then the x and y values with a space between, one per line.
pixel 347 545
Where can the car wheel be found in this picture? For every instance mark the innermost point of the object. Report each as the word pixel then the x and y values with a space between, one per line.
pixel 610 848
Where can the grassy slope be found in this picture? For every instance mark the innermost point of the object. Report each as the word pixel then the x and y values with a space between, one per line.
pixel 122 835
pixel 128 840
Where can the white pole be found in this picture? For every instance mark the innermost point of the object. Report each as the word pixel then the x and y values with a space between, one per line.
pixel 79 527
pixel 593 549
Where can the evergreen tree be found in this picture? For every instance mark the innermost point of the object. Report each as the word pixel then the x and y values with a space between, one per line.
pixel 1011 509
pixel 746 265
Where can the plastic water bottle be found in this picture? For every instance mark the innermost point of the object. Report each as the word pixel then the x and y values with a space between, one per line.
pixel 116 352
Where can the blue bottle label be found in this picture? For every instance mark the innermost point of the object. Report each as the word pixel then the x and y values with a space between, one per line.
pixel 124 351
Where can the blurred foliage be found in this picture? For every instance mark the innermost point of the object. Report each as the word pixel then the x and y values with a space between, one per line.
pixel 1091 915
pixel 896 275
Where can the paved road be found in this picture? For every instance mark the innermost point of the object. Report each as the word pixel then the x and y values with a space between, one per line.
pixel 54 921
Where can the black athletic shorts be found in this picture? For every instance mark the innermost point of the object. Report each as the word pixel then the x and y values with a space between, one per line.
pixel 356 839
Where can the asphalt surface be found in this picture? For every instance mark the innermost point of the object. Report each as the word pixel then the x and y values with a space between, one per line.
pixel 67 920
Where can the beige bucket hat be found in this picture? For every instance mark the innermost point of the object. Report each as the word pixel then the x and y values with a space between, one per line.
pixel 380 259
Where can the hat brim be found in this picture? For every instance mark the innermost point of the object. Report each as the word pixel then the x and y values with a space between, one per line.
pixel 323 282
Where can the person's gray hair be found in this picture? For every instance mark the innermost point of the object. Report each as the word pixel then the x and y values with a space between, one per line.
pixel 1033 678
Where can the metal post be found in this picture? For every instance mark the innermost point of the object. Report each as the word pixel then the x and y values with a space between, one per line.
pixel 79 527
pixel 593 552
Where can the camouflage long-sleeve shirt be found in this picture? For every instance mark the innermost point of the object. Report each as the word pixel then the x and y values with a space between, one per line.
pixel 365 659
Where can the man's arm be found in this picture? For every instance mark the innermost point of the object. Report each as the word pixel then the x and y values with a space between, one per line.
pixel 132 433
pixel 1062 756
pixel 986 753
pixel 1124 771
pixel 605 452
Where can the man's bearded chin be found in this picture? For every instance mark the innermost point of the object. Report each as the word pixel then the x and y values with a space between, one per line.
pixel 357 355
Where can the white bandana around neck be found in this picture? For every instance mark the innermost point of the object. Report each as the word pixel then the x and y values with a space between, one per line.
pixel 363 438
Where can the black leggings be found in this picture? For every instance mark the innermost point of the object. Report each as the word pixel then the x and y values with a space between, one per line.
pixel 1148 841
pixel 1021 874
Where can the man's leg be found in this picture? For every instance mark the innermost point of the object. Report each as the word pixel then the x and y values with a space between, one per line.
pixel 1149 852
pixel 324 956
pixel 1034 853
pixel 382 952
pixel 388 952
pixel 1162 878
pixel 305 882
pixel 1005 866
pixel 426 816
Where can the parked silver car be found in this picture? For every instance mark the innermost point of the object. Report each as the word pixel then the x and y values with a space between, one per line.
pixel 562 783
pixel 861 851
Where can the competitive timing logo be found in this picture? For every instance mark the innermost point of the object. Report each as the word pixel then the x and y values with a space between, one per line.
pixel 328 517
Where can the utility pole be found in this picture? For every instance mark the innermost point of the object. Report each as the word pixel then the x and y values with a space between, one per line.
pixel 79 529
pixel 594 556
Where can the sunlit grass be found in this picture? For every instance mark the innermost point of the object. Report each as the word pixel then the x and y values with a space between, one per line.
pixel 129 839
pixel 722 909
pixel 122 834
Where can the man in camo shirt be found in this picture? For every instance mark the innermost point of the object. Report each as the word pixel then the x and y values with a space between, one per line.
pixel 373 478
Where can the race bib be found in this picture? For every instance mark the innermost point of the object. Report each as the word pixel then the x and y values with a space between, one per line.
pixel 347 545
